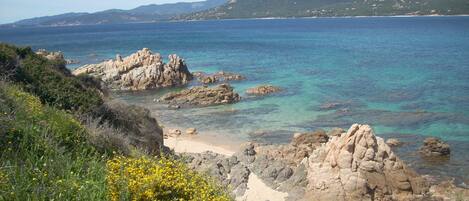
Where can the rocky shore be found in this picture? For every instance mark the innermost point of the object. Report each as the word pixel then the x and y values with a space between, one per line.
pixel 139 71
pixel 202 96
pixel 337 165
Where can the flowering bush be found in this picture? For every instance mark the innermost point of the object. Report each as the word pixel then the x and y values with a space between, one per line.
pixel 158 179
pixel 44 152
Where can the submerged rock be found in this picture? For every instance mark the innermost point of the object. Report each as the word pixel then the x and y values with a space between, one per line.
pixel 393 142
pixel 263 90
pixel 139 71
pixel 360 166
pixel 202 96
pixel 217 77
pixel 434 147
pixel 308 139
pixel 336 132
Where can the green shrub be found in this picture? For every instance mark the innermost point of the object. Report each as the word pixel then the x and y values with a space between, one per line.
pixel 49 80
pixel 45 154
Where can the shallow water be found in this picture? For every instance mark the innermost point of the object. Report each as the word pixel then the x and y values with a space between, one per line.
pixel 407 77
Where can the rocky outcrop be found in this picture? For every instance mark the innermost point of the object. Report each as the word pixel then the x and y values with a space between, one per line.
pixel 447 191
pixel 434 147
pixel 57 56
pixel 141 130
pixel 309 139
pixel 393 142
pixel 202 96
pixel 139 71
pixel 217 77
pixel 360 166
pixel 228 170
pixel 263 90
pixel 336 132
pixel 300 147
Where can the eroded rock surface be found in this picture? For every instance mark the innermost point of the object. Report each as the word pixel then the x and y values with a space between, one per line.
pixel 393 142
pixel 202 96
pixel 263 90
pixel 139 71
pixel 355 165
pixel 217 77
pixel 447 191
pixel 228 170
pixel 360 166
pixel 434 147
pixel 57 56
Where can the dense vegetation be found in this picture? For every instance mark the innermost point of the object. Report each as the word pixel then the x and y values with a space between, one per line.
pixel 48 79
pixel 331 8
pixel 47 153
pixel 146 13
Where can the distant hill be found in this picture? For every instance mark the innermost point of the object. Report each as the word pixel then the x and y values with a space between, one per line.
pixel 330 8
pixel 147 13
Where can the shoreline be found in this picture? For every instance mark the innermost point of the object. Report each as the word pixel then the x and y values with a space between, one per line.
pixel 256 188
pixel 320 17
pixel 7 26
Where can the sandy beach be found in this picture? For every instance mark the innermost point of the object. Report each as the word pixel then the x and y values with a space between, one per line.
pixel 257 190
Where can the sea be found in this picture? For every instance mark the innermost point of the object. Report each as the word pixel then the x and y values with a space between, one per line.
pixel 408 77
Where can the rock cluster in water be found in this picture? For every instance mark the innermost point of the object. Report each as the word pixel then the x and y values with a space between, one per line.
pixel 263 90
pixel 217 77
pixel 202 96
pixel 434 147
pixel 139 71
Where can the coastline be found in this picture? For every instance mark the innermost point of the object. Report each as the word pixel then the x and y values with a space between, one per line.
pixel 256 188
pixel 321 17
pixel 9 26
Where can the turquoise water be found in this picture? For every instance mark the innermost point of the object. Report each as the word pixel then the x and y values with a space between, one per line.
pixel 407 77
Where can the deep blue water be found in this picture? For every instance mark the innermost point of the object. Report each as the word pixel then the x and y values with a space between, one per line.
pixel 407 77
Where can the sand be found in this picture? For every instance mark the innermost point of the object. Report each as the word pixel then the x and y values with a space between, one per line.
pixel 257 190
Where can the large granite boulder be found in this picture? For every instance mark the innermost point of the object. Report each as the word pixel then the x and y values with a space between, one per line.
pixel 139 71
pixel 360 166
pixel 434 147
pixel 202 96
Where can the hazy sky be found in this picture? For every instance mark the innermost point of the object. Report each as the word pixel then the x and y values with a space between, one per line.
pixel 13 10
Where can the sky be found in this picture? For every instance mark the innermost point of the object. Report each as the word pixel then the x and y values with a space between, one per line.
pixel 14 10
